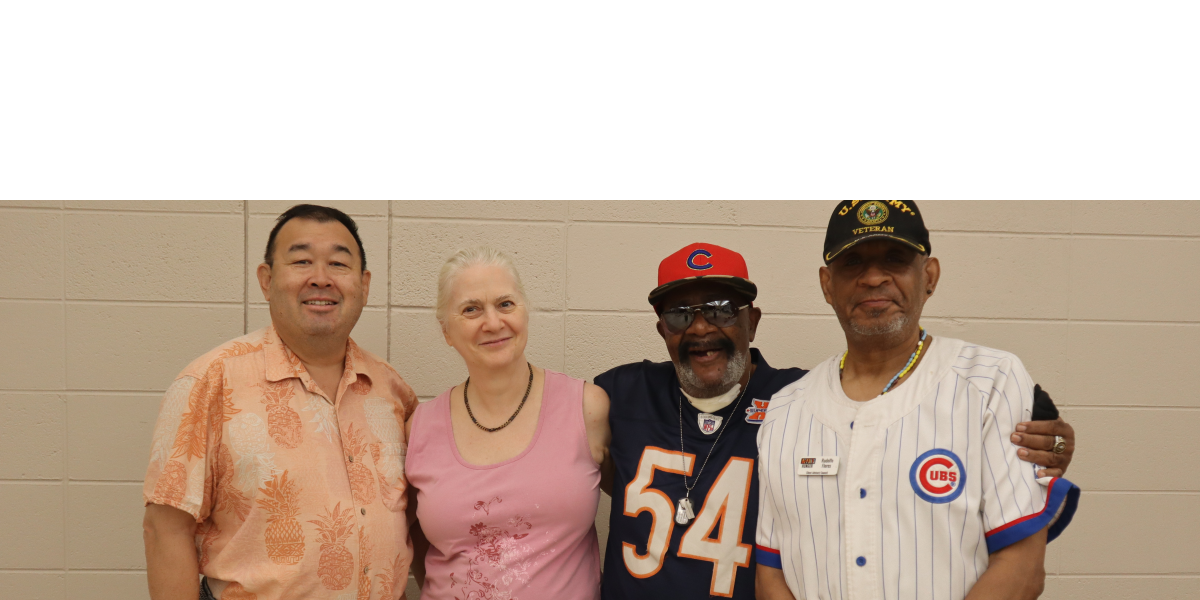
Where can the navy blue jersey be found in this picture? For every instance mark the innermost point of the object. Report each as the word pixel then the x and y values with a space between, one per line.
pixel 649 555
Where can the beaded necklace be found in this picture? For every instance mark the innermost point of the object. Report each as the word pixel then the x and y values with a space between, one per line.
pixel 912 360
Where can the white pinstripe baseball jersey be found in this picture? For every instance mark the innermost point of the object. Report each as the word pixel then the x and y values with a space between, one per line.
pixel 927 482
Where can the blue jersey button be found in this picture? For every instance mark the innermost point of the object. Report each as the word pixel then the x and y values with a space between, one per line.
pixel 862 561
pixel 851 424
pixel 862 493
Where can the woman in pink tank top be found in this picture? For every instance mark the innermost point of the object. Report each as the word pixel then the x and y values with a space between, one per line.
pixel 504 470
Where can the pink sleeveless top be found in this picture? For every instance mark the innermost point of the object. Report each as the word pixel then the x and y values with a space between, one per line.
pixel 521 529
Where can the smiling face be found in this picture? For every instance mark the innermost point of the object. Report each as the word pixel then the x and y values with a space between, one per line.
pixel 487 319
pixel 708 359
pixel 316 285
pixel 879 287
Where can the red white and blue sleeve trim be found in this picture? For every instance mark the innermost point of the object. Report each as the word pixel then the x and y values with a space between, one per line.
pixel 1060 491
pixel 767 557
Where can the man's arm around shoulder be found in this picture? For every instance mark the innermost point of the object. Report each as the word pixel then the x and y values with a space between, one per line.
pixel 1017 571
pixel 172 567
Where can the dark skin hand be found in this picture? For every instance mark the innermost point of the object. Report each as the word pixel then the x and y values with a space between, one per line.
pixel 1036 439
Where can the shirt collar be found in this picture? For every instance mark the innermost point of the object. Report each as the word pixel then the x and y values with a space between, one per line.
pixel 282 363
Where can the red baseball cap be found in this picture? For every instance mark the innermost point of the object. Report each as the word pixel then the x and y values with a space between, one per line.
pixel 703 261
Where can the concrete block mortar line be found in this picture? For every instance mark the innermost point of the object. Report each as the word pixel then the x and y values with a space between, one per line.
pixel 566 300
pixel 358 217
pixel 66 413
pixel 107 211
pixel 1121 407
pixel 1070 292
pixel 953 232
pixel 155 303
pixel 1128 576
pixel 79 392
pixel 245 263
pixel 730 226
pixel 115 482
pixel 32 209
pixel 1065 235
pixel 387 291
pixel 64 570
pixel 1141 492
pixel 474 220
pixel 151 213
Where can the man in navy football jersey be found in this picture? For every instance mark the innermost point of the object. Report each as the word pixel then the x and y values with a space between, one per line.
pixel 684 438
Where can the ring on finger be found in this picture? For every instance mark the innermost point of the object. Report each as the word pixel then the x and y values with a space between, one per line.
pixel 1060 444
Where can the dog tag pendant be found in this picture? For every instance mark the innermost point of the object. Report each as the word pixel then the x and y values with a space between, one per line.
pixel 683 512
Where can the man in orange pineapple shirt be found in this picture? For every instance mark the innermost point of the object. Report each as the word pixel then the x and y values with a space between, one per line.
pixel 276 469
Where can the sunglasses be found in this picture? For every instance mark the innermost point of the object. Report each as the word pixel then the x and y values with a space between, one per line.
pixel 718 313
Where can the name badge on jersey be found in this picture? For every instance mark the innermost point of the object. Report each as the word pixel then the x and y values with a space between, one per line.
pixel 818 465
pixel 709 423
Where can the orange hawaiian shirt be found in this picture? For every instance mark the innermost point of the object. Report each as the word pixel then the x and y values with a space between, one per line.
pixel 295 495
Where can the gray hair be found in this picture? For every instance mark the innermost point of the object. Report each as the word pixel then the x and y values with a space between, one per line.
pixel 471 257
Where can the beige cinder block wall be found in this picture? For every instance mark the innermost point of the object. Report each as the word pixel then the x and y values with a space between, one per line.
pixel 103 303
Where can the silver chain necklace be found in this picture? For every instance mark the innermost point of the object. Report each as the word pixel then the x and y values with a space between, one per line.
pixel 683 511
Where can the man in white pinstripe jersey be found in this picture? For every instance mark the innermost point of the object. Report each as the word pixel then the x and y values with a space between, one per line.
pixel 887 472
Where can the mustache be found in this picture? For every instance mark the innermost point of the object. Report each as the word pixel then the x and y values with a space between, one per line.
pixel 859 298
pixel 722 343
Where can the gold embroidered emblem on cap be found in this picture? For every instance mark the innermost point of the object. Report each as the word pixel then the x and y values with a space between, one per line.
pixel 873 213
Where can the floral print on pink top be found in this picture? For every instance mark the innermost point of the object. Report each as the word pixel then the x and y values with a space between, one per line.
pixel 500 553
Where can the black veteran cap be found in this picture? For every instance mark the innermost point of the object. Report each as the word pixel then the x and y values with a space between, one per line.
pixel 854 221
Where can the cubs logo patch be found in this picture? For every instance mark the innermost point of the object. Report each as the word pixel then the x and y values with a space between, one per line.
pixel 938 476
pixel 757 411
pixel 698 260
pixel 873 213
pixel 709 423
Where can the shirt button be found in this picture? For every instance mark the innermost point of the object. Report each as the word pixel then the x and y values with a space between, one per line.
pixel 365 569
pixel 851 424
pixel 363 511
pixel 861 561
pixel 862 493
pixel 351 459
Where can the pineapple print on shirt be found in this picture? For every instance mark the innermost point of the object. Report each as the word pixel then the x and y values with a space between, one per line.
pixel 282 422
pixel 389 451
pixel 171 484
pixel 323 417
pixel 175 402
pixel 284 536
pixel 256 463
pixel 387 579
pixel 334 528
pixel 229 497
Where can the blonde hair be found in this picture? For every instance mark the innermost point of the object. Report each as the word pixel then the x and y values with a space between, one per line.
pixel 461 261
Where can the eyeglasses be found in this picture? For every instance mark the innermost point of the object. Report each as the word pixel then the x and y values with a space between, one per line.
pixel 718 313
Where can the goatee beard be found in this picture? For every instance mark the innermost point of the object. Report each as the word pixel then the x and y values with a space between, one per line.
pixel 691 383
pixel 893 327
